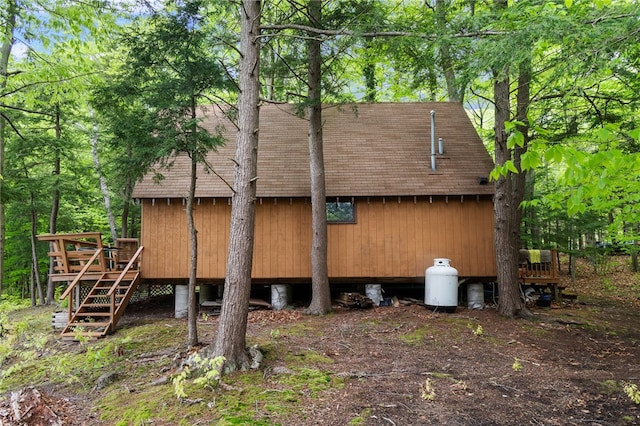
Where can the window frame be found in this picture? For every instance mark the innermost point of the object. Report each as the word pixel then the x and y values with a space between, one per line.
pixel 336 200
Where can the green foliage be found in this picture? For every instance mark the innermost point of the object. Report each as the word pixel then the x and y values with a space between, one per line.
pixel 478 330
pixel 208 374
pixel 517 365
pixel 427 392
pixel 632 391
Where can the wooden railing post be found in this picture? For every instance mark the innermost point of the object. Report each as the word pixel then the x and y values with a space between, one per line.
pixel 127 268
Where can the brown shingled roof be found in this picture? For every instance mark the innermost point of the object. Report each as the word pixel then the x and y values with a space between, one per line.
pixel 380 149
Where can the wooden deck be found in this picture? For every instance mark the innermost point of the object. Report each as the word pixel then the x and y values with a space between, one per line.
pixel 539 268
pixel 110 274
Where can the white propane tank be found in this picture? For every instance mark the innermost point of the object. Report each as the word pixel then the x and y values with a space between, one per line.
pixel 441 286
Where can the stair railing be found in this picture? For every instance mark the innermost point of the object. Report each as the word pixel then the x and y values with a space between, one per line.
pixel 112 291
pixel 77 279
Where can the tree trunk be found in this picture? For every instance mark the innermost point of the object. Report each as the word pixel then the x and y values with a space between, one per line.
pixel 506 225
pixel 34 252
pixel 532 225
pixel 55 208
pixel 124 218
pixel 32 286
pixel 321 293
pixel 522 110
pixel 508 195
pixel 454 92
pixel 5 53
pixel 126 231
pixel 230 341
pixel 192 338
pixel 103 182
pixel 369 71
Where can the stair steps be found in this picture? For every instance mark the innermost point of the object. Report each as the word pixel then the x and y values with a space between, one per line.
pixel 100 311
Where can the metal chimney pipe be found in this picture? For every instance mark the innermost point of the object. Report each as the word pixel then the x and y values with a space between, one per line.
pixel 433 140
pixel 440 146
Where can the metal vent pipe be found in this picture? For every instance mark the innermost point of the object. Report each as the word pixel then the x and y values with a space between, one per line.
pixel 440 146
pixel 433 140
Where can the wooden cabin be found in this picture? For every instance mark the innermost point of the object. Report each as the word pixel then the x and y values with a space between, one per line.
pixel 390 212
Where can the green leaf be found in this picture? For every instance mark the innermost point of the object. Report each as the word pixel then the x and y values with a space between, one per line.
pixel 530 160
pixel 515 138
pixel 555 154
pixel 568 3
pixel 603 134
pixel 511 167
pixel 575 203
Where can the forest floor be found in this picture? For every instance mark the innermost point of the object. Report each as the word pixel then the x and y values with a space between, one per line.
pixel 406 365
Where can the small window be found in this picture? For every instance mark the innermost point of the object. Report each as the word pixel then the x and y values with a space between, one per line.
pixel 341 212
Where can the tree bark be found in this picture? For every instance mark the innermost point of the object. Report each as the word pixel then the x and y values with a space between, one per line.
pixel 34 252
pixel 509 189
pixel 32 286
pixel 55 208
pixel 369 72
pixel 192 338
pixel 5 53
pixel 192 335
pixel 321 293
pixel 506 225
pixel 231 338
pixel 454 92
pixel 124 218
pixel 523 100
pixel 103 182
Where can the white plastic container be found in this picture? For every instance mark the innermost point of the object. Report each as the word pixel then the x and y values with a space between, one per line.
pixel 441 286
pixel 374 292
pixel 475 296
pixel 181 301
pixel 279 297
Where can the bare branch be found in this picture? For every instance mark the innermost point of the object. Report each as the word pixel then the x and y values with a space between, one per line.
pixel 324 32
pixel 30 111
pixel 15 129
pixel 481 96
pixel 210 169
pixel 11 73
pixel 36 83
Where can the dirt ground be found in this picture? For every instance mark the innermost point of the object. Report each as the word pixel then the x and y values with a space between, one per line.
pixel 410 366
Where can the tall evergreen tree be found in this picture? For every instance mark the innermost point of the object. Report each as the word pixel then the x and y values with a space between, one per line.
pixel 171 64
pixel 231 338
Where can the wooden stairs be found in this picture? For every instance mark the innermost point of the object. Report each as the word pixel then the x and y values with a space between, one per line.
pixel 99 312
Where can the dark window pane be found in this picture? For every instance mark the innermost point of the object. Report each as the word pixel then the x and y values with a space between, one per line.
pixel 341 211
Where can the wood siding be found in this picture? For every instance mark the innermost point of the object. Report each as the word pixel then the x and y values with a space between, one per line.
pixel 393 238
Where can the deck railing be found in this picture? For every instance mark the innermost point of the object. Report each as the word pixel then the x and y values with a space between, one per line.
pixel 72 252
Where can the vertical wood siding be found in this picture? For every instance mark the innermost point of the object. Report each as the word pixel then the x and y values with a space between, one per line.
pixel 393 238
